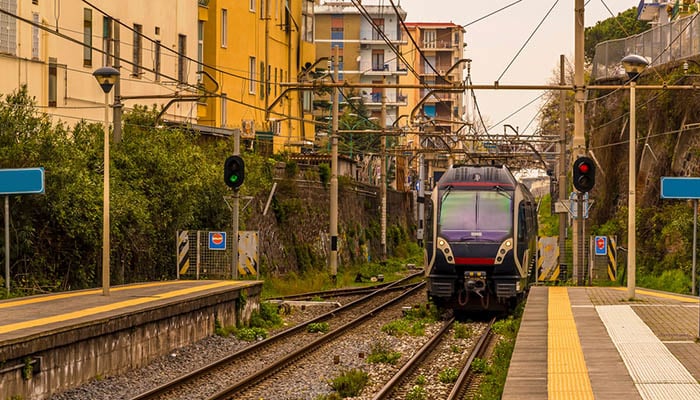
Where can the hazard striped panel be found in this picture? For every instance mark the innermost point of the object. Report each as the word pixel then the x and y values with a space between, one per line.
pixel 612 258
pixel 183 254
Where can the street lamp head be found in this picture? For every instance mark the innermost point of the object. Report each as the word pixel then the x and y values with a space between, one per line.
pixel 634 65
pixel 106 77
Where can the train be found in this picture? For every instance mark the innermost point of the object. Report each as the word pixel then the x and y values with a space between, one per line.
pixel 480 239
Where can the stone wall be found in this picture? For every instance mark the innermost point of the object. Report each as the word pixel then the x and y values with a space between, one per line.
pixel 293 235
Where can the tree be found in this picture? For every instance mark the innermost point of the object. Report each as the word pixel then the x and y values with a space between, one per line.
pixel 623 25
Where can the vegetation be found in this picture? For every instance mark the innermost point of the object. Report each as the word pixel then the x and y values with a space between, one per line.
pixel 350 383
pixel 448 375
pixel 496 370
pixel 623 25
pixel 318 327
pixel 383 353
pixel 417 392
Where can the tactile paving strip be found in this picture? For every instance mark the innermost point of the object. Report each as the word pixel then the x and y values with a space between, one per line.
pixel 653 368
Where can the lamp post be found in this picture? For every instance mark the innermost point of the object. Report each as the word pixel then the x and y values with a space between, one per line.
pixel 106 77
pixel 634 65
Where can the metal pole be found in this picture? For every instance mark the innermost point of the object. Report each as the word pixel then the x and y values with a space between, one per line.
pixel 631 201
pixel 118 106
pixel 383 171
pixel 236 205
pixel 579 141
pixel 421 199
pixel 7 244
pixel 333 260
pixel 105 204
pixel 562 160
pixel 695 239
pixel 579 248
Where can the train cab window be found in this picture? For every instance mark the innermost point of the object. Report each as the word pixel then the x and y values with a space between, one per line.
pixel 475 216
pixel 522 225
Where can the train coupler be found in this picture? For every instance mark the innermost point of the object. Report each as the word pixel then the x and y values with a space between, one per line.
pixel 475 281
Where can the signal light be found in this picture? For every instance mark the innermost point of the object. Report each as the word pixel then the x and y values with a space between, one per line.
pixel 584 174
pixel 234 171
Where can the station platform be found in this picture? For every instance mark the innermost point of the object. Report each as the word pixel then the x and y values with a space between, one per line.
pixel 53 342
pixel 595 343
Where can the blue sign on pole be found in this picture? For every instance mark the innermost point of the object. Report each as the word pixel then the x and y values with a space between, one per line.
pixel 217 240
pixel 22 181
pixel 680 188
pixel 601 245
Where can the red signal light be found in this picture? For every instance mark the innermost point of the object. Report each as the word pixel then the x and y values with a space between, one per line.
pixel 584 168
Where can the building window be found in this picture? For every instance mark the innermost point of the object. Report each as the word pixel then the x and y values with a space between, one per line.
pixel 35 36
pixel 377 60
pixel 200 51
pixel 307 21
pixel 87 37
pixel 262 9
pixel 262 80
pixel 8 27
pixel 429 38
pixel 252 65
pixel 53 82
pixel 379 29
pixel 138 50
pixel 251 5
pixel 107 40
pixel 224 116
pixel 181 58
pixel 35 2
pixel 224 27
pixel 156 59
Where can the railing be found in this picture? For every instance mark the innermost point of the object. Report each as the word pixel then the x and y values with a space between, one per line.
pixel 660 45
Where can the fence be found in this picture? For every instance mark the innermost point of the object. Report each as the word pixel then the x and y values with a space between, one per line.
pixel 663 44
pixel 208 254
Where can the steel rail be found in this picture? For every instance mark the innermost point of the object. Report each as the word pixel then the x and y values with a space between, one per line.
pixel 253 379
pixel 461 384
pixel 193 375
pixel 414 362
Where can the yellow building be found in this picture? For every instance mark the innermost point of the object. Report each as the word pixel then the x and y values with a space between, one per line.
pixel 250 48
pixel 53 47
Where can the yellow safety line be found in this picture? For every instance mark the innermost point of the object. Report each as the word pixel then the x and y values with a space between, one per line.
pixel 67 295
pixel 567 374
pixel 683 299
pixel 110 307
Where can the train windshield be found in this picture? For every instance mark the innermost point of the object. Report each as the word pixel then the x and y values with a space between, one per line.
pixel 476 215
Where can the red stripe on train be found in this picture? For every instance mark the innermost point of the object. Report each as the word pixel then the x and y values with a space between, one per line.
pixel 473 260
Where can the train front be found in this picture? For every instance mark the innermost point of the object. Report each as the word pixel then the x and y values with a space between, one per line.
pixel 471 251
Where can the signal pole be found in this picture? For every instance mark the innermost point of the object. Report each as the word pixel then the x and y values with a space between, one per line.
pixel 579 142
pixel 562 160
pixel 382 121
pixel 333 231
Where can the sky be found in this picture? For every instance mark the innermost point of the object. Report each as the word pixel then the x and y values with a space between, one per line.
pixel 494 41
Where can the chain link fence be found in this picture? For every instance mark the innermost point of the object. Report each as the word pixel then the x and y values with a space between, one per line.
pixel 209 255
pixel 673 41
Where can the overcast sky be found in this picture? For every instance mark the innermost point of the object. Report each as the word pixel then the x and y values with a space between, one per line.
pixel 494 41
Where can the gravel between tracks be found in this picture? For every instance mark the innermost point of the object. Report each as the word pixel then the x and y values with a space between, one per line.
pixel 305 380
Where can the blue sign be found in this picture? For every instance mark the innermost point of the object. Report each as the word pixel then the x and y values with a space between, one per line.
pixel 601 245
pixel 680 188
pixel 22 181
pixel 217 240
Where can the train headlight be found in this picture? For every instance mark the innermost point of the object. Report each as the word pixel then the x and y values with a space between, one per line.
pixel 509 244
pixel 441 242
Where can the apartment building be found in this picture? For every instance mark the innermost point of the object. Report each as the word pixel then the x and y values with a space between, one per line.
pixel 251 48
pixel 367 40
pixel 436 54
pixel 54 46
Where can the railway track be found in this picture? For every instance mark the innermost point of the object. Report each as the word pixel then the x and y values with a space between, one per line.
pixel 403 382
pixel 223 376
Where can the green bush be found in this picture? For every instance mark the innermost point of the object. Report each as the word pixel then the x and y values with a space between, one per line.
pixel 251 334
pixel 266 317
pixel 318 327
pixel 350 383
pixel 448 375
pixel 382 353
pixel 463 331
pixel 416 393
